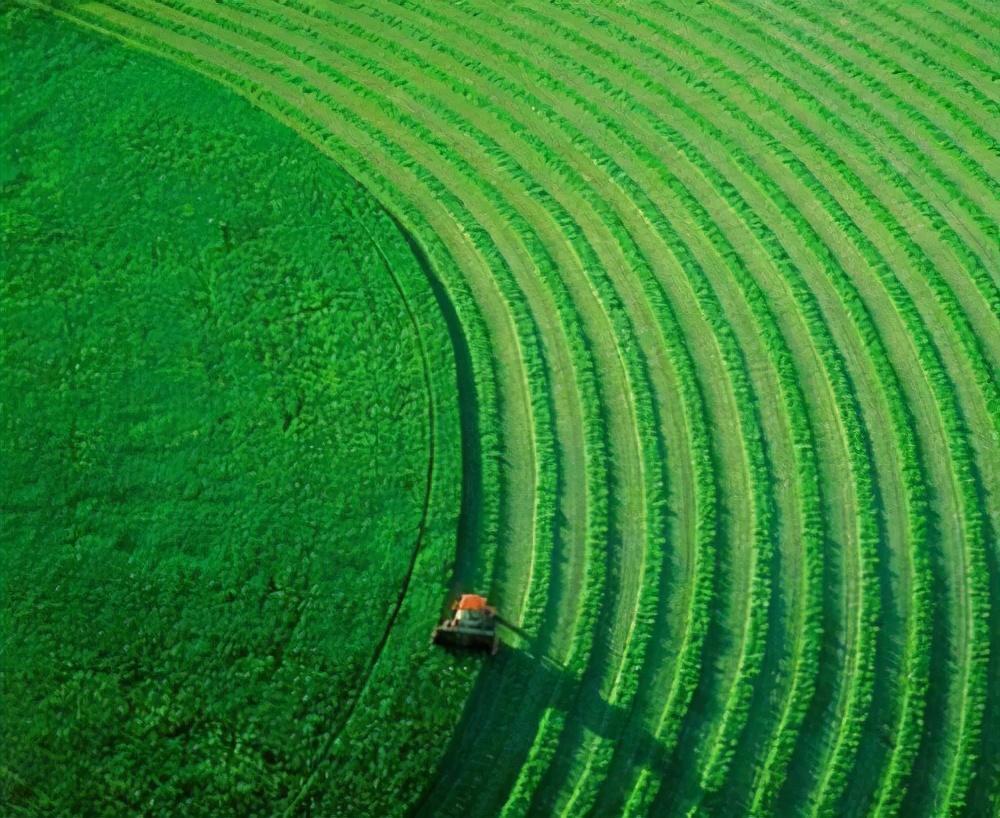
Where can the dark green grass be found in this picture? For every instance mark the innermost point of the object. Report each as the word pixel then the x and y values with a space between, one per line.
pixel 215 434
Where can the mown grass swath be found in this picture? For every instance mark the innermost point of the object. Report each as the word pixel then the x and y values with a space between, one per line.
pixel 855 232
pixel 701 56
pixel 913 48
pixel 533 101
pixel 927 128
pixel 645 583
pixel 930 272
pixel 963 465
pixel 968 41
pixel 576 68
pixel 575 138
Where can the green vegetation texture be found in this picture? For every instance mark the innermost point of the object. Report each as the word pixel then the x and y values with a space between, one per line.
pixel 722 287
pixel 215 438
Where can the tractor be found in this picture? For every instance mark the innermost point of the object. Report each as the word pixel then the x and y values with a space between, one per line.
pixel 473 624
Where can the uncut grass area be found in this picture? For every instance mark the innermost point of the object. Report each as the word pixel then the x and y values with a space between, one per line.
pixel 216 434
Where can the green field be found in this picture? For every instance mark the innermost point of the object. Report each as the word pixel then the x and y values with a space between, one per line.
pixel 674 328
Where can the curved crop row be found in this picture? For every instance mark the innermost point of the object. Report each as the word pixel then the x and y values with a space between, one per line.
pixel 637 264
pixel 904 442
pixel 912 729
pixel 962 21
pixel 687 151
pixel 885 83
pixel 966 476
pixel 883 90
pixel 857 234
pixel 648 616
pixel 977 272
pixel 943 142
pixel 851 179
pixel 574 140
pixel 963 469
pixel 650 574
pixel 706 527
pixel 760 585
pixel 914 52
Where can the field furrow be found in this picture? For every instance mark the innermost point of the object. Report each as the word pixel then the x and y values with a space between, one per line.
pixel 574 797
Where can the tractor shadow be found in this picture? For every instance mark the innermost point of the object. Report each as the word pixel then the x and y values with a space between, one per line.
pixel 512 692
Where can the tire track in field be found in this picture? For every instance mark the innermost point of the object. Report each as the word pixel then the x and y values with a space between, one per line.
pixel 338 729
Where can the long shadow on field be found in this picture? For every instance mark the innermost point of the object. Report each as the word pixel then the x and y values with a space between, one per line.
pixel 468 568
pixel 530 683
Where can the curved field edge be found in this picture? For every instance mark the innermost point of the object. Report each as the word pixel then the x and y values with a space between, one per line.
pixel 428 550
